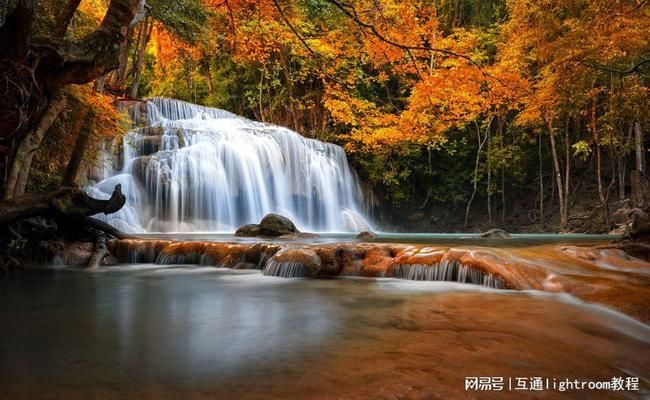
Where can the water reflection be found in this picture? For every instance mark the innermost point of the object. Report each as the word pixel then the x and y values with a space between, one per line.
pixel 209 333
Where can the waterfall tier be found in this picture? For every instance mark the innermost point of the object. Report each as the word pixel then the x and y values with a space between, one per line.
pixel 192 168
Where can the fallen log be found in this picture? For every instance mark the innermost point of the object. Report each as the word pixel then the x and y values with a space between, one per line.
pixel 70 202
pixel 107 228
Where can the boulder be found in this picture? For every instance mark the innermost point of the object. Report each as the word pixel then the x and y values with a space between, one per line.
pixel 276 225
pixel 496 234
pixel 272 225
pixel 366 235
pixel 249 230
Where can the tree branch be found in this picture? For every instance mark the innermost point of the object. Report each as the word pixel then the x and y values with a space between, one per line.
pixel 65 17
pixel 351 13
pixel 73 62
pixel 634 68
pixel 66 202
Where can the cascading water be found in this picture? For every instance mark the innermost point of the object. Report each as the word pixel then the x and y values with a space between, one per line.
pixel 194 168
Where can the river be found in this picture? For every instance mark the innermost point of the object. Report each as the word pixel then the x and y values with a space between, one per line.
pixel 151 331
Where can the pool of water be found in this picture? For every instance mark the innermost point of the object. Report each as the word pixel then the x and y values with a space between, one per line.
pixel 516 239
pixel 154 332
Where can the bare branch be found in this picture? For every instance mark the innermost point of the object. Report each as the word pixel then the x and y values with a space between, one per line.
pixel 634 68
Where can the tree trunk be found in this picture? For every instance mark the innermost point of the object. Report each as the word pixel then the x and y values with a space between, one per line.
pixel 260 95
pixel 65 17
pixel 72 170
pixel 621 178
pixel 489 179
pixel 22 158
pixel 596 136
pixel 558 177
pixel 100 252
pixel 639 150
pixel 208 79
pixel 66 202
pixel 541 179
pixel 137 73
pixel 120 73
pixel 476 165
pixel 567 168
pixel 53 63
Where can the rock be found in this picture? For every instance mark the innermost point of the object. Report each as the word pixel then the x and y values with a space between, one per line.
pixel 272 225
pixel 294 262
pixel 300 235
pixel 249 230
pixel 75 254
pixel 276 225
pixel 366 235
pixel 496 234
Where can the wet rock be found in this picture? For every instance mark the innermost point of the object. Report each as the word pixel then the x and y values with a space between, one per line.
pixel 496 234
pixel 366 235
pixel 137 250
pixel 249 230
pixel 276 225
pixel 294 263
pixel 272 225
pixel 75 254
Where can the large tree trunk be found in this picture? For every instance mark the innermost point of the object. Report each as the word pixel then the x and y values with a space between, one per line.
pixel 147 27
pixel 72 170
pixel 119 76
pixel 65 17
pixel 22 158
pixel 39 66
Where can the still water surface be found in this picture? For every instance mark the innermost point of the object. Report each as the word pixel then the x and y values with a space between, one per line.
pixel 152 332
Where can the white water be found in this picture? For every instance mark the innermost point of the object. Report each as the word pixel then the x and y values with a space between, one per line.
pixel 202 169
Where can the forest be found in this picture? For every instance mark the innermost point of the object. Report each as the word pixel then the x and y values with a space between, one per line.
pixel 456 114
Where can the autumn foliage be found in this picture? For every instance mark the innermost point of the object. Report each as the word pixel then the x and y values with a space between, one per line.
pixel 517 91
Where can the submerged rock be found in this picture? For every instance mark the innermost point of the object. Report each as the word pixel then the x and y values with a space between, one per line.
pixel 496 234
pixel 366 235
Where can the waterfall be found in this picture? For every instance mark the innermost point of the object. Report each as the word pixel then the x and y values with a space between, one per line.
pixel 450 271
pixel 193 168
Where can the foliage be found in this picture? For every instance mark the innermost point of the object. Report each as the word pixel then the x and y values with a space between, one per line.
pixel 415 90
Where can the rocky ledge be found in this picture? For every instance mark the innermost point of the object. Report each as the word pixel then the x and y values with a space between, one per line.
pixel 608 276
